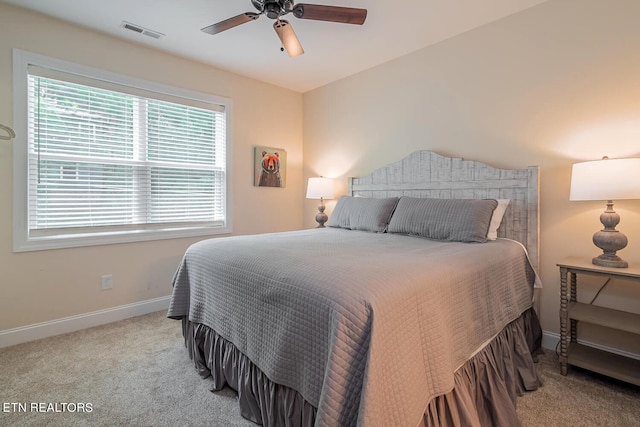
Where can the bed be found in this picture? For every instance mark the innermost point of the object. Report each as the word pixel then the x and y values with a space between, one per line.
pixel 404 311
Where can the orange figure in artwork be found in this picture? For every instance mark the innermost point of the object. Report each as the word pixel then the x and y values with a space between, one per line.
pixel 270 172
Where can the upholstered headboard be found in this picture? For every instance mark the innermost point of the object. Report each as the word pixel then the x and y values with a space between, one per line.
pixel 427 174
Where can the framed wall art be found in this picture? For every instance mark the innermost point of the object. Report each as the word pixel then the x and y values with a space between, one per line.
pixel 270 167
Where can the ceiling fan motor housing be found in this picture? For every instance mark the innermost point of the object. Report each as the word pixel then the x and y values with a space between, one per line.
pixel 274 9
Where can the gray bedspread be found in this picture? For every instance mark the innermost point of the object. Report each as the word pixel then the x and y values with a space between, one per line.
pixel 367 327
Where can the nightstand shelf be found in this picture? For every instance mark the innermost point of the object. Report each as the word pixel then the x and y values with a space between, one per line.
pixel 615 319
pixel 609 364
pixel 572 312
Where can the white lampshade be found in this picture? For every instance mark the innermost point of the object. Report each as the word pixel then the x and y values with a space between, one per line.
pixel 319 187
pixel 606 179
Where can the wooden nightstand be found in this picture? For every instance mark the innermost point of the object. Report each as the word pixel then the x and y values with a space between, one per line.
pixel 571 311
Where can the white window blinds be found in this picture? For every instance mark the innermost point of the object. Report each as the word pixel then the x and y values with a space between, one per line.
pixel 104 157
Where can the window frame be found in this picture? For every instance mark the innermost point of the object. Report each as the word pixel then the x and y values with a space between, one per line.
pixel 22 240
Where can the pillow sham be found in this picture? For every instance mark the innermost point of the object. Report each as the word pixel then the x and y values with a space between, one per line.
pixel 454 220
pixel 363 213
pixel 496 218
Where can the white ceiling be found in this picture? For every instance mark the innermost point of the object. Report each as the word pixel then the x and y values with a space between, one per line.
pixel 332 51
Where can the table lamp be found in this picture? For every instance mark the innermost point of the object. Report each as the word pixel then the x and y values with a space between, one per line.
pixel 320 188
pixel 607 179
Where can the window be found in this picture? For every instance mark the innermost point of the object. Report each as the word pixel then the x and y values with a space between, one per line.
pixel 110 159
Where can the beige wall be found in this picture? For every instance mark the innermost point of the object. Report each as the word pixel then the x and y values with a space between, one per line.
pixel 46 285
pixel 550 86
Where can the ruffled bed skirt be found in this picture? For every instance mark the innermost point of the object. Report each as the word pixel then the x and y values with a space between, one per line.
pixel 485 389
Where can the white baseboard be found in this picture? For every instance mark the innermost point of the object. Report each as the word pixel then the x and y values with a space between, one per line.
pixel 82 321
pixel 551 339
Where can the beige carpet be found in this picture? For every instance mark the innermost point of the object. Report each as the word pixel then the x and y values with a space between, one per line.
pixel 137 373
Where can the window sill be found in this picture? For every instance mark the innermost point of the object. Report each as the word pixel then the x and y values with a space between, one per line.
pixel 107 238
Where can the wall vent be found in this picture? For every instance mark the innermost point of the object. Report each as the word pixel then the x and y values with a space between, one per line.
pixel 141 30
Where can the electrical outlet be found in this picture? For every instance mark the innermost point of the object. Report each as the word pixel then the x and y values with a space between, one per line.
pixel 107 282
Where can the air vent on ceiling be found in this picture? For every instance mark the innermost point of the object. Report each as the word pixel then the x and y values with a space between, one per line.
pixel 141 30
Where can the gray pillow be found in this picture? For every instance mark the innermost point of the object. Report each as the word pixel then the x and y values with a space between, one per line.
pixel 362 213
pixel 454 220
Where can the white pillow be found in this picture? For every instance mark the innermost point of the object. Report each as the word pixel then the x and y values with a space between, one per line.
pixel 496 218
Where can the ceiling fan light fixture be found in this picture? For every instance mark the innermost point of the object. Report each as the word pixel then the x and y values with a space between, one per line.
pixel 288 38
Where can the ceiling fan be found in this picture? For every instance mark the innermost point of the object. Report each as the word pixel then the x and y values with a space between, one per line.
pixel 276 9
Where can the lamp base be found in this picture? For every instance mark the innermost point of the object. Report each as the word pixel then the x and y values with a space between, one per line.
pixel 321 217
pixel 610 240
pixel 610 261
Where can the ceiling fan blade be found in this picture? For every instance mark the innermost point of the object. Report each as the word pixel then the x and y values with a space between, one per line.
pixel 344 15
pixel 231 22
pixel 288 38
